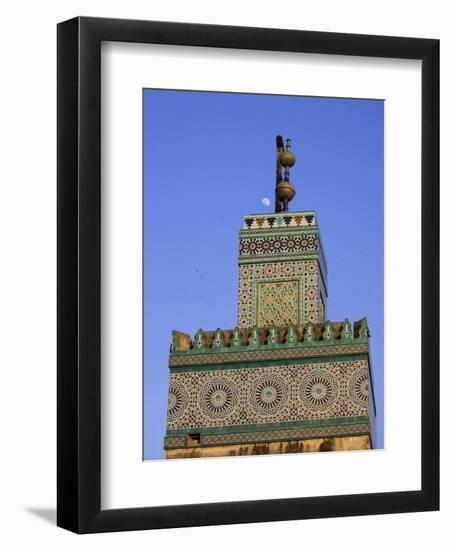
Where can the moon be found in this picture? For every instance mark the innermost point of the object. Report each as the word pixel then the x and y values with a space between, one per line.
pixel 266 201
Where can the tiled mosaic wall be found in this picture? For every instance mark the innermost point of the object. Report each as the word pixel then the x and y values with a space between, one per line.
pixel 282 271
pixel 252 276
pixel 283 373
pixel 268 394
pixel 278 303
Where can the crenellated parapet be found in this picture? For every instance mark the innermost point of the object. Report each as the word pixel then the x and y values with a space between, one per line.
pixel 257 222
pixel 330 333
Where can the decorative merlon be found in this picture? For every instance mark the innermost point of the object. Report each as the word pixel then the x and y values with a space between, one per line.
pixel 282 219
pixel 309 334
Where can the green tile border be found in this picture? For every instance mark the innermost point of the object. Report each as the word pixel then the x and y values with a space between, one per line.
pixel 274 435
pixel 240 428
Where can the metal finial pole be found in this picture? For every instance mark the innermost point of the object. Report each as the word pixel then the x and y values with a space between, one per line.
pixel 284 189
pixel 279 170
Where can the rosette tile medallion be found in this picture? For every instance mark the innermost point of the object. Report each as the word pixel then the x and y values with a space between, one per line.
pixel 285 379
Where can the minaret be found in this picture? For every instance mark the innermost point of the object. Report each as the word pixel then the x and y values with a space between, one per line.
pixel 282 269
pixel 285 379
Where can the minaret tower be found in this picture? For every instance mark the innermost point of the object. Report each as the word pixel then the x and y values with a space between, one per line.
pixel 282 268
pixel 285 379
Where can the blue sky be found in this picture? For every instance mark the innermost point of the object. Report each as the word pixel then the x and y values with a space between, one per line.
pixel 209 159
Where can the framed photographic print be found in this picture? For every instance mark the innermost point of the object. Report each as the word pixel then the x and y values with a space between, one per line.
pixel 247 274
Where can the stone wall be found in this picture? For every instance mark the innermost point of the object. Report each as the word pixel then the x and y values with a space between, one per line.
pixel 347 443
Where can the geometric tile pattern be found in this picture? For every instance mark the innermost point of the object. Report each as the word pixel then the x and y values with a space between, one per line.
pixel 358 386
pixel 270 394
pixel 174 441
pixel 218 397
pixel 274 246
pixel 304 272
pixel 178 400
pixel 318 390
pixel 272 435
pixel 278 303
pixel 264 355
pixel 293 219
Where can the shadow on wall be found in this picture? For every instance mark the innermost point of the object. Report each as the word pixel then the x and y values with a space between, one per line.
pixel 46 514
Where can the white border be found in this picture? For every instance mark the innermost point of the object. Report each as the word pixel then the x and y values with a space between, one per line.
pixel 127 481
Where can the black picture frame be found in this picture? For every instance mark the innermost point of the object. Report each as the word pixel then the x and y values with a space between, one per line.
pixel 79 275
